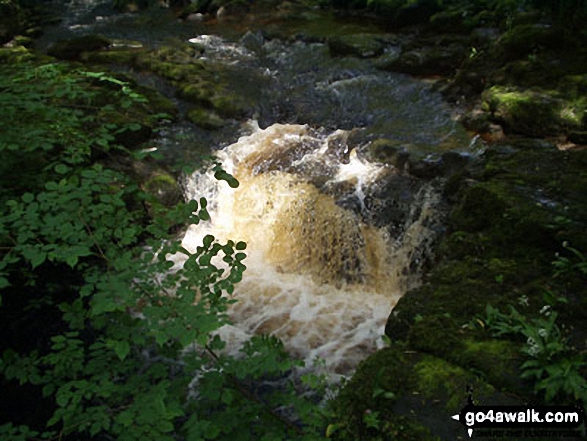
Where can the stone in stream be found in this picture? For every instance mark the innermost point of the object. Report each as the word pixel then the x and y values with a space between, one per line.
pixel 358 45
pixel 72 49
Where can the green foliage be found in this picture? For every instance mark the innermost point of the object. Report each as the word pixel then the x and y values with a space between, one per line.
pixel 551 364
pixel 576 263
pixel 134 356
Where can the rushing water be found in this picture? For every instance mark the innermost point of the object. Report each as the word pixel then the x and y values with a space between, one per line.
pixel 320 276
pixel 326 260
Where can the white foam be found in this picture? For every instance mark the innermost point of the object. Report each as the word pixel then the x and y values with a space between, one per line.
pixel 317 276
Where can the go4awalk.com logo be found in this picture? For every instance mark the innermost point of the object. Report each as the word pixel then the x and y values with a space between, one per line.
pixel 509 421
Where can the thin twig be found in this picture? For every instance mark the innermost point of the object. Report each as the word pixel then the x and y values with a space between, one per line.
pixel 90 232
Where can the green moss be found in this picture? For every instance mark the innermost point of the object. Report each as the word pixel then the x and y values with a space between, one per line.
pixel 115 56
pixel 198 92
pixel 157 102
pixel 14 55
pixel 437 379
pixel 206 119
pixel 358 45
pixel 389 370
pixel 525 39
pixel 137 128
pixel 72 49
pixel 528 111
pixel 164 188
pixel 228 105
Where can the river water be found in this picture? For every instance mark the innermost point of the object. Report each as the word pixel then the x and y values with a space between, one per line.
pixel 334 238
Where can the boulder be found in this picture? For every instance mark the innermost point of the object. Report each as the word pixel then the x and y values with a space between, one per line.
pixel 206 118
pixel 429 59
pixel 534 112
pixel 356 45
pixel 72 49
pixel 433 166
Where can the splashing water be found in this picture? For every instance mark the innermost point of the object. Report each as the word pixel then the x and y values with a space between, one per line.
pixel 318 275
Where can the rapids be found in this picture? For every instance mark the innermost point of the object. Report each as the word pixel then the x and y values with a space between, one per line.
pixel 327 258
pixel 319 276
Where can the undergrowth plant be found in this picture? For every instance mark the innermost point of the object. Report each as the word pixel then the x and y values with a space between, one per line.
pixel 557 371
pixel 127 348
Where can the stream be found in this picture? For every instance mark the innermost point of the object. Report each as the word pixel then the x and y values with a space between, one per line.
pixel 334 237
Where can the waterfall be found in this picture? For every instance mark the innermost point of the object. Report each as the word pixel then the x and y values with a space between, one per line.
pixel 320 275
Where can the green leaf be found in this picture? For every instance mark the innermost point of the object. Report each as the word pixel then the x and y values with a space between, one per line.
pixel 61 169
pixel 28 198
pixel 333 428
pixel 38 259
pixel 72 260
pixel 222 175
pixel 122 348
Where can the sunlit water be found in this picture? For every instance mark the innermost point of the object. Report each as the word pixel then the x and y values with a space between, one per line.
pixel 323 269
pixel 319 276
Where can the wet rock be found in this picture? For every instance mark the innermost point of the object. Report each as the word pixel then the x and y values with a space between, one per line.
pixel 529 38
pixel 484 36
pixel 73 48
pixel 413 392
pixel 449 21
pixel 120 52
pixel 206 119
pixel 358 45
pixel 534 112
pixel 493 133
pixel 427 168
pixel 433 166
pixel 154 179
pixel 503 232
pixel 389 152
pixel 390 54
pixel 164 188
pixel 390 202
pixel 253 41
pixel 429 60
pixel 414 13
pixel 453 162
pixel 195 17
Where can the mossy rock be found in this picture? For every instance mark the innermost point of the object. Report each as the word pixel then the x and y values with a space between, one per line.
pixel 164 188
pixel 73 48
pixel 357 45
pixel 429 60
pixel 202 83
pixel 15 55
pixel 416 12
pixel 535 112
pixel 376 386
pixel 411 394
pixel 389 151
pixel 134 130
pixel 452 21
pixel 229 105
pixel 515 207
pixel 197 92
pixel 206 119
pixel 158 103
pixel 119 56
pixel 525 39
